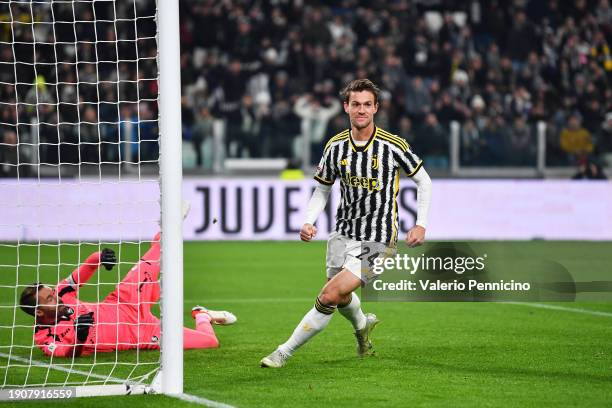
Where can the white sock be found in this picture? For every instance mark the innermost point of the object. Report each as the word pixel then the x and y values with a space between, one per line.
pixel 312 323
pixel 353 313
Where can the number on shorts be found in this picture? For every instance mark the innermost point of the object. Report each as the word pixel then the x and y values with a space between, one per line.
pixel 370 258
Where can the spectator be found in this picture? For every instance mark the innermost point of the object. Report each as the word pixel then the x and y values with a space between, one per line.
pixel 460 87
pixel 589 170
pixel 522 146
pixel 385 112
pixel 286 127
pixel 316 31
pixel 592 114
pixel 448 109
pixel 471 144
pixel 249 144
pixel 604 141
pixel 522 38
pixel 519 104
pixel 244 43
pixel 477 72
pixel 575 140
pixel 147 134
pixel 603 13
pixel 128 133
pixel 418 99
pixel 405 130
pixel 202 130
pixel 315 114
pixel 8 153
pixel 433 142
pixel 229 104
pixel 394 76
pixel 339 29
pixel 478 112
pixel 495 142
pixel 89 137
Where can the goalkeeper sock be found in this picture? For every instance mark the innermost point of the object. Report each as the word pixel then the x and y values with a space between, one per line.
pixel 313 322
pixel 203 336
pixel 202 322
pixel 353 313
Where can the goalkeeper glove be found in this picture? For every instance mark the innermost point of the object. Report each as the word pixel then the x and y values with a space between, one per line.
pixel 82 324
pixel 108 258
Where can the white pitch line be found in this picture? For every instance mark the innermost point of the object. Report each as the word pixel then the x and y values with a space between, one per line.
pixel 306 300
pixel 303 300
pixel 201 401
pixel 60 368
pixel 219 300
pixel 185 397
pixel 561 308
pixel 249 300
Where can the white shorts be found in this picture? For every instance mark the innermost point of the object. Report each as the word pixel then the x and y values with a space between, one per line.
pixel 355 256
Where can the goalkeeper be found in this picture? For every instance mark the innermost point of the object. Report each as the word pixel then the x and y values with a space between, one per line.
pixel 67 327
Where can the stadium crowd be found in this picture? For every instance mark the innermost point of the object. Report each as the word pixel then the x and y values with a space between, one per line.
pixel 271 70
pixel 69 92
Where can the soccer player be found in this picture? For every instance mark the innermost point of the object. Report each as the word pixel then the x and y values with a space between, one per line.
pixel 67 327
pixel 367 160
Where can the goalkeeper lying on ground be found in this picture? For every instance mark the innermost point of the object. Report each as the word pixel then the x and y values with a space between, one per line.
pixel 67 327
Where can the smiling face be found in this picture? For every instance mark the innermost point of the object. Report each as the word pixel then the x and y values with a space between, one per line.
pixel 361 108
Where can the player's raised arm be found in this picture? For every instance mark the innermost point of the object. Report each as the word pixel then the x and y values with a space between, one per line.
pixel 80 275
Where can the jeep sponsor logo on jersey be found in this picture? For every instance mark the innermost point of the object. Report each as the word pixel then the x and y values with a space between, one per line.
pixel 370 183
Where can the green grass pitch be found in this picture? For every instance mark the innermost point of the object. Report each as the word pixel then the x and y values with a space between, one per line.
pixel 427 354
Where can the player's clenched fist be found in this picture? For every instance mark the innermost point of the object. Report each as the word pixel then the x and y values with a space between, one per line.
pixel 308 232
pixel 82 324
pixel 108 258
pixel 415 236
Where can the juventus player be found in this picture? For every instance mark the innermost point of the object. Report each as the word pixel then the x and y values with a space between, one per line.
pixel 368 160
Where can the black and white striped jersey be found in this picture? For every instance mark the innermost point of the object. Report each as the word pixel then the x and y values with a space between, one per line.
pixel 369 182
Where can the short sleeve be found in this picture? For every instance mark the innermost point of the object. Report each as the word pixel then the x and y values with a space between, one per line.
pixel 326 173
pixel 408 161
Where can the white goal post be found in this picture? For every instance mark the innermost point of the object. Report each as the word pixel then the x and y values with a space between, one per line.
pixel 90 158
pixel 171 192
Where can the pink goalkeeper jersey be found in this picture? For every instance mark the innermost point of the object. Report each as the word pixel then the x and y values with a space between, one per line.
pixel 117 326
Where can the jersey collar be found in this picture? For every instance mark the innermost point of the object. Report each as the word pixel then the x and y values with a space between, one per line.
pixel 365 146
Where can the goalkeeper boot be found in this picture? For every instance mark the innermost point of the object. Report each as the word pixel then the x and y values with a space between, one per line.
pixel 217 317
pixel 276 359
pixel 364 344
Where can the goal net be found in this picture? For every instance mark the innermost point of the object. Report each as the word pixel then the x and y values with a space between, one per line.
pixel 79 176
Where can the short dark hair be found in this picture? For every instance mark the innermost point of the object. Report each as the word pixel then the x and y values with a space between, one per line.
pixel 358 85
pixel 29 298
